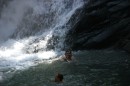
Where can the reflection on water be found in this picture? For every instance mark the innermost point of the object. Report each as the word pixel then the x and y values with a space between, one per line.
pixel 92 68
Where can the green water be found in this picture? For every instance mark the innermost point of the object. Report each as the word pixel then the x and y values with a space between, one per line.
pixel 92 68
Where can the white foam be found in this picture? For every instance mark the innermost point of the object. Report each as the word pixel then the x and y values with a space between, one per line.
pixel 14 56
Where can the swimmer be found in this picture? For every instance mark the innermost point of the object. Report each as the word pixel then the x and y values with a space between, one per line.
pixel 59 78
pixel 67 56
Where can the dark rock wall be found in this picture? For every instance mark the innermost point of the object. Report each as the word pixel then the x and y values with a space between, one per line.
pixel 103 24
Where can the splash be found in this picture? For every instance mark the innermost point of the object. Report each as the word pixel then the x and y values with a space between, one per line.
pixel 33 31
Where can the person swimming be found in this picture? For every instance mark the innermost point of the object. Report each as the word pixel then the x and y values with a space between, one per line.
pixel 59 78
pixel 68 57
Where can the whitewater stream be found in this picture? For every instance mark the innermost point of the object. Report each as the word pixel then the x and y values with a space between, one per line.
pixel 32 35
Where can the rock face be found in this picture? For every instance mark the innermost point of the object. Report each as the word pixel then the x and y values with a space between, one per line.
pixel 103 24
pixel 127 46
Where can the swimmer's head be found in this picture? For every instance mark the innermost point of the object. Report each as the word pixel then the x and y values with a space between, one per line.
pixel 59 78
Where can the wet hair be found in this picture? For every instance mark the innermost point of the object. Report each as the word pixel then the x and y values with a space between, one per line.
pixel 60 76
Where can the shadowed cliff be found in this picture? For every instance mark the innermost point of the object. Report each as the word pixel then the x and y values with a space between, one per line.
pixel 103 24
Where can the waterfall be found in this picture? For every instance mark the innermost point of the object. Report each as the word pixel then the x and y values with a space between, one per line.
pixel 34 30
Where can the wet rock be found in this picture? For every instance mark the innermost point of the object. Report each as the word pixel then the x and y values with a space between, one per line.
pixel 102 25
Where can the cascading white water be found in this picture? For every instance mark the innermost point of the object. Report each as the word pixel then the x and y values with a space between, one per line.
pixel 31 24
